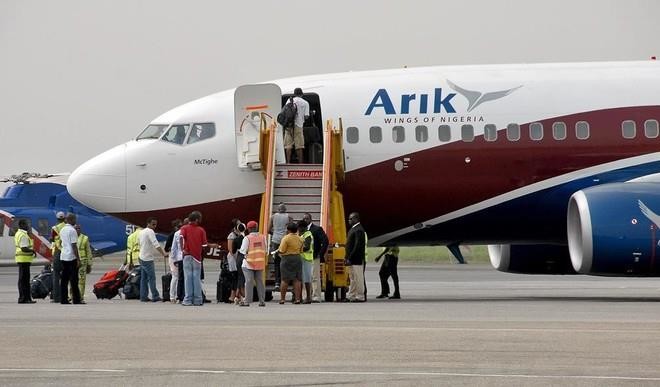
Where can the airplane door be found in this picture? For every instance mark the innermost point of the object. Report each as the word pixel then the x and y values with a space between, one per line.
pixel 250 101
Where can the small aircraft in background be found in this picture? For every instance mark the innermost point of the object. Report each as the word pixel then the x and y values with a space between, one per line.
pixel 37 198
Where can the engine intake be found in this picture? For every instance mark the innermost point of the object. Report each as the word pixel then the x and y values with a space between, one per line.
pixel 613 229
pixel 531 259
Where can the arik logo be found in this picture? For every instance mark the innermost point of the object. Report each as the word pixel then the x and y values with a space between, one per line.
pixel 438 103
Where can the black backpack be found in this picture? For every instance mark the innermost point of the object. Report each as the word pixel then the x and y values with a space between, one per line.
pixel 287 116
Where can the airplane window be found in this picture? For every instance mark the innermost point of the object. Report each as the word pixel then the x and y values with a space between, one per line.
pixel 513 132
pixel 444 133
pixel 559 131
pixel 352 135
pixel 14 226
pixel 42 227
pixel 467 133
pixel 201 132
pixel 176 134
pixel 398 134
pixel 651 128
pixel 151 131
pixel 536 131
pixel 375 134
pixel 490 132
pixel 421 133
pixel 582 130
pixel 628 129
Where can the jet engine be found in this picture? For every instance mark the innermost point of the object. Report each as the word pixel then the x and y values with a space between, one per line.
pixel 531 259
pixel 613 229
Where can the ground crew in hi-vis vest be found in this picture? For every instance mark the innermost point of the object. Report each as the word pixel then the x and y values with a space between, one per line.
pixel 56 249
pixel 254 249
pixel 24 255
pixel 307 259
pixel 133 249
pixel 85 253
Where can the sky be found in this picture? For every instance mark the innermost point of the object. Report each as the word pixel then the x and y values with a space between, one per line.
pixel 79 77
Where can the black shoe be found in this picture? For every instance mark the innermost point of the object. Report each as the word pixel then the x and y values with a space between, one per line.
pixel 395 297
pixel 382 296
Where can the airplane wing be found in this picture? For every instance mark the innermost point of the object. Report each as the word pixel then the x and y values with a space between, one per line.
pixel 104 247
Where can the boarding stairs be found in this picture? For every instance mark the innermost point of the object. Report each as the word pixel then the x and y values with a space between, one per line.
pixel 299 188
pixel 312 188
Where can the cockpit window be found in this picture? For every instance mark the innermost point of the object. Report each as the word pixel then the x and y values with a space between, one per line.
pixel 201 132
pixel 151 131
pixel 176 134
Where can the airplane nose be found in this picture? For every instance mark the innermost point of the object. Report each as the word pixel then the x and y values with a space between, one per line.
pixel 100 183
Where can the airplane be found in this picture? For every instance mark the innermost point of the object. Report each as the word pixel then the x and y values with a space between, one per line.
pixel 38 198
pixel 545 163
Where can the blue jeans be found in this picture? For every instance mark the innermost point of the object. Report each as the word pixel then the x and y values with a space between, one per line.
pixel 192 272
pixel 148 280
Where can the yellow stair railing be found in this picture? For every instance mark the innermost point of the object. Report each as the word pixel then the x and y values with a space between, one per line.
pixel 332 207
pixel 267 161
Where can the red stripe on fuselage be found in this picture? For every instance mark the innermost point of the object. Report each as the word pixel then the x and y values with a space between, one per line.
pixel 438 180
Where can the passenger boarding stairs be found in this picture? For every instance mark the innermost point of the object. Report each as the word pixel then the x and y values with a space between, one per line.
pixel 299 188
pixel 309 188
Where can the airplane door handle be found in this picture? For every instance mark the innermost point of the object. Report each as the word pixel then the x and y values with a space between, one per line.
pixel 142 164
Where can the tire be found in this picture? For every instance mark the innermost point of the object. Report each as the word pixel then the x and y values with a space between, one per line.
pixel 269 295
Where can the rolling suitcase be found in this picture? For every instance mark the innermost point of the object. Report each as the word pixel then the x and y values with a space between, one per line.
pixel 131 288
pixel 110 283
pixel 41 284
pixel 166 280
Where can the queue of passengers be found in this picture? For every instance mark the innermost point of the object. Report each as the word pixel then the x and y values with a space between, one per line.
pixel 298 249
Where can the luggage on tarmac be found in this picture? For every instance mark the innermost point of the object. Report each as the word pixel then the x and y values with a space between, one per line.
pixel 131 288
pixel 42 283
pixel 223 289
pixel 108 286
pixel 166 280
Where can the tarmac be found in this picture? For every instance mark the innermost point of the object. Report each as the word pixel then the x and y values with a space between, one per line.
pixel 456 325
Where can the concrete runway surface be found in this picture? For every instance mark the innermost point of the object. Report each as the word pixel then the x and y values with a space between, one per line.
pixel 457 325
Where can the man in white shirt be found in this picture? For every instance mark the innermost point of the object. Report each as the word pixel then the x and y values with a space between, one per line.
pixel 297 138
pixel 150 249
pixel 176 266
pixel 70 261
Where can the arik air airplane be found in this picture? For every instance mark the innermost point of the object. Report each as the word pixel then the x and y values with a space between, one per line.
pixel 555 166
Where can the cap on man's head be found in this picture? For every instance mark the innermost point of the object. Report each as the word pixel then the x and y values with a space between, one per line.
pixel 60 215
pixel 252 224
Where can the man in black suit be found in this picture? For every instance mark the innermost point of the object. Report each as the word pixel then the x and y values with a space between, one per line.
pixel 355 255
pixel 320 248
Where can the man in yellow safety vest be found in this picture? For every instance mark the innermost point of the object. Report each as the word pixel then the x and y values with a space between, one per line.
pixel 24 255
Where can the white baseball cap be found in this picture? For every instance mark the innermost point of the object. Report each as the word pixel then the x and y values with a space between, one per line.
pixel 60 215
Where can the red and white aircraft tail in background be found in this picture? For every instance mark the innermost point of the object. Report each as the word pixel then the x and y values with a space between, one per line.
pixel 557 166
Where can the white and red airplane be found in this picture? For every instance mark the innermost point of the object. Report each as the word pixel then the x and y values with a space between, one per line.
pixel 556 166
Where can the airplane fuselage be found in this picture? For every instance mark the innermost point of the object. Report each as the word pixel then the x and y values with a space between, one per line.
pixel 472 154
